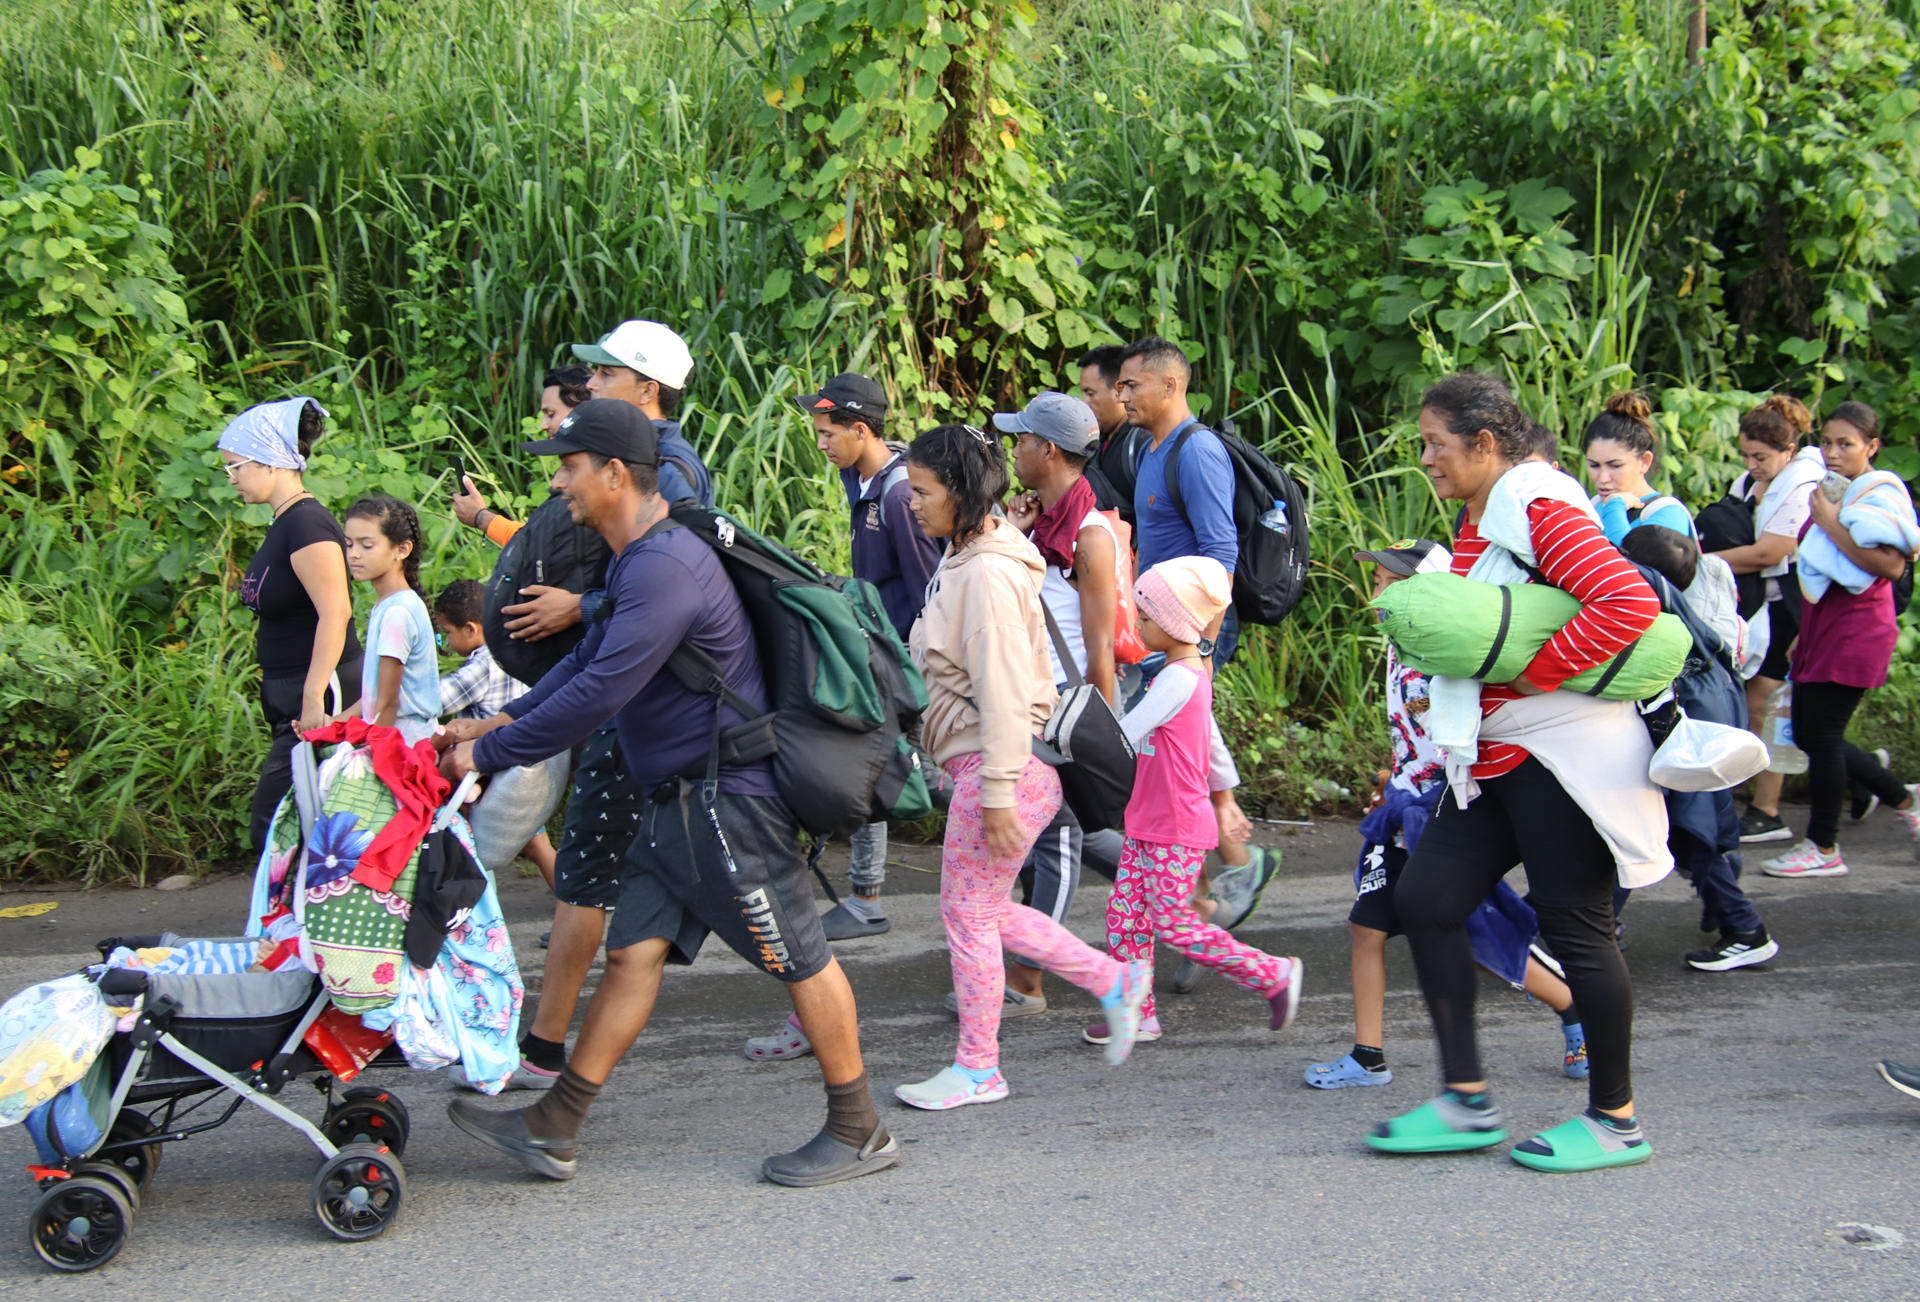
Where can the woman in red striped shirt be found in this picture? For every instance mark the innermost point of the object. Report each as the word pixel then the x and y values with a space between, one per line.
pixel 1473 434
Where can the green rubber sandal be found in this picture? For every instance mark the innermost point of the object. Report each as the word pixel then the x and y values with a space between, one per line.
pixel 1578 1145
pixel 1430 1128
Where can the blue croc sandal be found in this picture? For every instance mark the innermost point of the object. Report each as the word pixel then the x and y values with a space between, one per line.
pixel 1343 1072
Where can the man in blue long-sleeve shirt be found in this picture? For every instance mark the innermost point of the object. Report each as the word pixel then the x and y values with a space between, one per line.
pixel 728 866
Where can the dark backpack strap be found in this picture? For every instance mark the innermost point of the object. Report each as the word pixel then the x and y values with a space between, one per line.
pixel 686 469
pixel 1500 635
pixel 1619 662
pixel 1067 662
pixel 1173 472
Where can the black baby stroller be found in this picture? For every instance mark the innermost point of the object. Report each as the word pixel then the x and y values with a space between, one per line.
pixel 216 1033
pixel 205 1044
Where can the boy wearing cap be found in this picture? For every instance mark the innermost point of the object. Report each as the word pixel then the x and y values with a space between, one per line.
pixel 717 858
pixel 1170 819
pixel 1502 931
pixel 889 551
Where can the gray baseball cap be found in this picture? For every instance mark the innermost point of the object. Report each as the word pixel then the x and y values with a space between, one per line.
pixel 1066 422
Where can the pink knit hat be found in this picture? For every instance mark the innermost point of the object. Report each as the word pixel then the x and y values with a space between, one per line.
pixel 1184 594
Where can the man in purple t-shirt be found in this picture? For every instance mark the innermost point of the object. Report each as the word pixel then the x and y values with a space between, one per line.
pixel 725 864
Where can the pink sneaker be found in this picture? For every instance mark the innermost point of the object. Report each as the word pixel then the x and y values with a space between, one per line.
pixel 1284 999
pixel 1806 860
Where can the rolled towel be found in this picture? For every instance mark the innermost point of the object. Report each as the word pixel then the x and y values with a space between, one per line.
pixel 1450 624
pixel 1877 510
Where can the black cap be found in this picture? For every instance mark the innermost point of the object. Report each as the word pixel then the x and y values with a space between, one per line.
pixel 609 426
pixel 1409 556
pixel 848 392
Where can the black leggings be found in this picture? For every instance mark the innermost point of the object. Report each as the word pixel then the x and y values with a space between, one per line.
pixel 1821 712
pixel 1522 817
pixel 280 703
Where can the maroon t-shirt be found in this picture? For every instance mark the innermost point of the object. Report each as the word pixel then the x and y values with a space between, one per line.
pixel 1846 638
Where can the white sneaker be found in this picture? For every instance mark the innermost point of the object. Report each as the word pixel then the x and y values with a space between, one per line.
pixel 951 1089
pixel 1806 860
pixel 1911 815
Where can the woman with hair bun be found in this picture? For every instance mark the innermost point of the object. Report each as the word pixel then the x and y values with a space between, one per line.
pixel 1779 481
pixel 981 641
pixel 296 584
pixel 1553 780
pixel 1621 447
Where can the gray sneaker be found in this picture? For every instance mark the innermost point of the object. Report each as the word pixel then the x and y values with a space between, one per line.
pixel 1014 1005
pixel 1238 888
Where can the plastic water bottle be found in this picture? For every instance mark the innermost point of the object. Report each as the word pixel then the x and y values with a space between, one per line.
pixel 1275 519
pixel 1782 755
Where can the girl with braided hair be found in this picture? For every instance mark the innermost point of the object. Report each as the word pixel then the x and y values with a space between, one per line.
pixel 400 677
pixel 981 641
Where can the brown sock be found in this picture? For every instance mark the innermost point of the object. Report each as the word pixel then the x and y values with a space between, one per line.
pixel 851 1118
pixel 558 1115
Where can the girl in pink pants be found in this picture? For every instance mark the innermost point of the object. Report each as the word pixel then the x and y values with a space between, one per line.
pixel 980 642
pixel 1170 822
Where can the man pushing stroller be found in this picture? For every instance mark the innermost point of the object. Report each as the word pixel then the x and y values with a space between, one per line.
pixel 730 868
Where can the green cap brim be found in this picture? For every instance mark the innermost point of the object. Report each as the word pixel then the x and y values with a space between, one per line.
pixel 595 355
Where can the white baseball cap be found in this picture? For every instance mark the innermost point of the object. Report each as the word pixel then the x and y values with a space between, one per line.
pixel 644 346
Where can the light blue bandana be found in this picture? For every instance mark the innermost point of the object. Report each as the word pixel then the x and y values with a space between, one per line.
pixel 269 433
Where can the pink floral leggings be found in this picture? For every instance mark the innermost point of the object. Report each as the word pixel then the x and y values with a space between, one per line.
pixel 976 903
pixel 1152 897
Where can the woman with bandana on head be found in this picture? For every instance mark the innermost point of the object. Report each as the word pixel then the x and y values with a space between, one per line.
pixel 296 584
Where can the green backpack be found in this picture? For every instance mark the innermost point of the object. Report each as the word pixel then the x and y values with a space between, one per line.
pixel 844 697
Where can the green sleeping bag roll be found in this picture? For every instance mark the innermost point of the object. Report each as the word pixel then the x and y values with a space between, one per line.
pixel 1449 624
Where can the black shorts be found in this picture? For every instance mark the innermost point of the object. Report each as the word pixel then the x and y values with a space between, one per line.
pixel 603 812
pixel 748 885
pixel 1783 626
pixel 1379 874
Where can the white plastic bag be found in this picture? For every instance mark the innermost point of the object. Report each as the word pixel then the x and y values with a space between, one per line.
pixel 422 1019
pixel 1702 756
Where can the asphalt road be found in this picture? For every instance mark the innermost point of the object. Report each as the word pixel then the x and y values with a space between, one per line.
pixel 1203 1167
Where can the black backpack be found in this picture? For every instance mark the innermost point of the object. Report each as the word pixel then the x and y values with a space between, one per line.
pixel 844 697
pixel 1725 524
pixel 1115 468
pixel 1271 573
pixel 548 549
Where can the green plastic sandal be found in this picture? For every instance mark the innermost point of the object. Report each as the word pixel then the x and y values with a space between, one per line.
pixel 1577 1146
pixel 1427 1129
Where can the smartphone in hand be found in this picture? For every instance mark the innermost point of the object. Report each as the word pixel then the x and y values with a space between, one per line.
pixel 459 475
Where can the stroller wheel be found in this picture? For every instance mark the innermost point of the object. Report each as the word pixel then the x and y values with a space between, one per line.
pixel 357 1193
pixel 367 1115
pixel 113 1175
pixel 141 1162
pixel 79 1224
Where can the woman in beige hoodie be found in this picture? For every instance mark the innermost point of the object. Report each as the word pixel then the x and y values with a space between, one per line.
pixel 981 642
